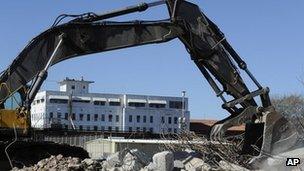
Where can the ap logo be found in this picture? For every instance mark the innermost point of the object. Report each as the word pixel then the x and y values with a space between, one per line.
pixel 292 161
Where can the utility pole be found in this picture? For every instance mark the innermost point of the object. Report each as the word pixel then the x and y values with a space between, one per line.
pixel 182 119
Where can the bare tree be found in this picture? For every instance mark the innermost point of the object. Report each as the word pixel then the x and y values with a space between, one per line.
pixel 292 108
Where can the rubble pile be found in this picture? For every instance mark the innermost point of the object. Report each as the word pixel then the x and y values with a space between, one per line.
pixel 132 160
pixel 62 163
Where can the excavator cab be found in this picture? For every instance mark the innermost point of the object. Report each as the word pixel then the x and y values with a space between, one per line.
pixel 13 115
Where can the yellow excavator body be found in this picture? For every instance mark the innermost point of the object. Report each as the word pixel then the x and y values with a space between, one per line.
pixel 10 119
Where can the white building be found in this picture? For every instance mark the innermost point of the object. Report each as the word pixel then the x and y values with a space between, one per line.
pixel 74 106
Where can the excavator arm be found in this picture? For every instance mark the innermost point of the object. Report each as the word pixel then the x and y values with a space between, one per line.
pixel 80 39
pixel 205 43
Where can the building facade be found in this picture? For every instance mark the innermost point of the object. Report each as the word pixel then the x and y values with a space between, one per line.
pixel 74 107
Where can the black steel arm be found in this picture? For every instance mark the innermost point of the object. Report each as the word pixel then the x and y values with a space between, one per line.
pixel 203 40
pixel 80 39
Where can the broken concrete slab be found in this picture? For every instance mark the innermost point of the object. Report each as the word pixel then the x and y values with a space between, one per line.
pixel 230 166
pixel 135 160
pixel 178 164
pixel 163 161
pixel 195 164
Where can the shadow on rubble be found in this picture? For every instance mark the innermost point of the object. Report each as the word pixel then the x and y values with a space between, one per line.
pixel 24 153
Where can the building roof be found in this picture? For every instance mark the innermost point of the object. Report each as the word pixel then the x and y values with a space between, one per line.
pixel 211 122
pixel 67 79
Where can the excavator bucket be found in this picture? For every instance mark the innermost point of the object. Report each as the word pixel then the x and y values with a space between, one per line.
pixel 273 136
pixel 279 136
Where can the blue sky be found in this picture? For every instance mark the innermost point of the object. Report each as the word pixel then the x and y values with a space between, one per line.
pixel 267 34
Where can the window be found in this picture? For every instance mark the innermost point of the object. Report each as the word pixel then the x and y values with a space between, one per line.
pixel 136 104
pixel 110 118
pixel 66 127
pixel 130 129
pixel 100 103
pixel 130 118
pixel 80 101
pixel 117 118
pixel 169 130
pixel 137 129
pixel 116 129
pixel 13 101
pixel 95 128
pixel 58 115
pixel 157 105
pixel 73 116
pixel 102 117
pixel 175 120
pixel 88 128
pixel 151 119
pixel 144 129
pixel 73 87
pixel 88 117
pixel 102 128
pixel 110 128
pixel 162 119
pixel 114 103
pixel 62 101
pixel 175 130
pixel 66 116
pixel 83 87
pixel 81 117
pixel 95 117
pixel 42 100
pixel 151 130
pixel 144 119
pixel 176 104
pixel 169 120
pixel 138 118
pixel 51 114
pixel 80 127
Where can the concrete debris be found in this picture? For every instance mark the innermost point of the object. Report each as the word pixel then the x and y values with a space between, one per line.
pixel 178 164
pixel 116 159
pixel 88 162
pixel 163 161
pixel 131 160
pixel 62 163
pixel 189 160
pixel 231 167
pixel 135 160
pixel 196 164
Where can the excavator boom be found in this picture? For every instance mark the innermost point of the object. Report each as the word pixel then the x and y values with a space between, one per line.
pixel 206 44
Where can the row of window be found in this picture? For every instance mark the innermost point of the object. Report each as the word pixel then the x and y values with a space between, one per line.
pixel 109 118
pixel 172 104
pixel 130 129
pixel 87 117
pixel 144 119
pixel 100 103
pixel 144 129
pixel 138 120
